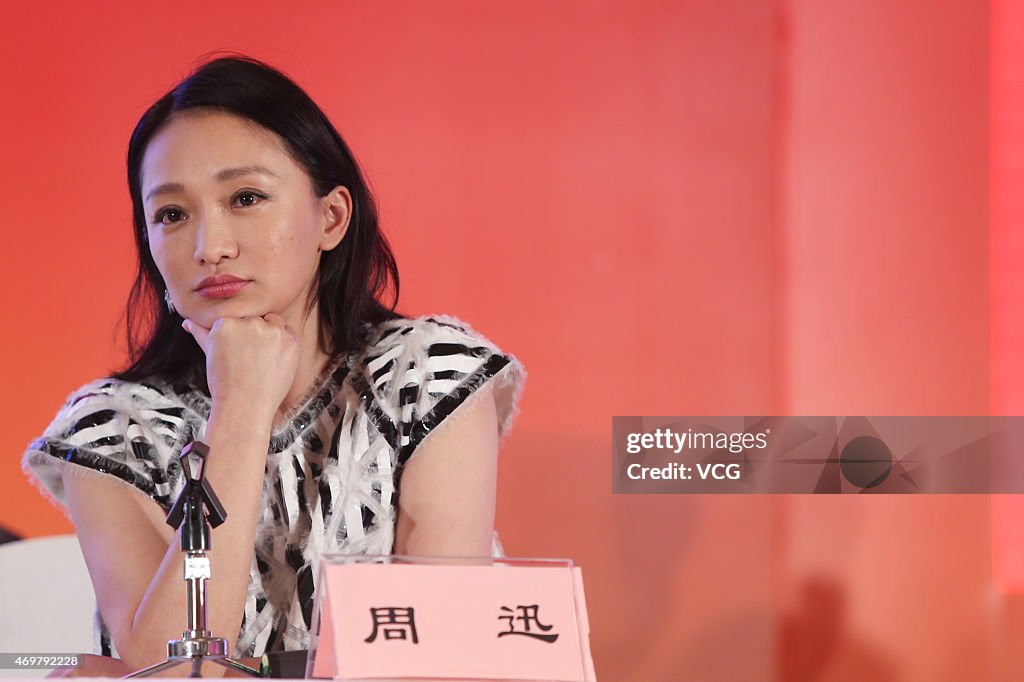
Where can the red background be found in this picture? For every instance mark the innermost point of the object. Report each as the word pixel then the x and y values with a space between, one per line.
pixel 735 207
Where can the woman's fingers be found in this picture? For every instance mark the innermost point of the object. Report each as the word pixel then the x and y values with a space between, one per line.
pixel 248 359
pixel 200 333
pixel 274 318
pixel 277 320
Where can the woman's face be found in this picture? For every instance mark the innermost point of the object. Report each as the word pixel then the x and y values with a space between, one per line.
pixel 233 223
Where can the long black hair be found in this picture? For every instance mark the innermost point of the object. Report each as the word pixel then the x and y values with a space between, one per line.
pixel 353 278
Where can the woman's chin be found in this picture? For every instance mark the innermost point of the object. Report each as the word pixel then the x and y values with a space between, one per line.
pixel 208 315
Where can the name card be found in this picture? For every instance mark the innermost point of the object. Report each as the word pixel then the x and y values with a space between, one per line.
pixel 386 618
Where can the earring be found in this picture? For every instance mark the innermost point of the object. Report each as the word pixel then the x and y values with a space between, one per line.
pixel 169 302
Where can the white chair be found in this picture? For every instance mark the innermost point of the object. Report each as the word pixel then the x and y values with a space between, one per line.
pixel 46 599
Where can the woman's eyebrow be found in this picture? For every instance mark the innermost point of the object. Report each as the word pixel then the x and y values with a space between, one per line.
pixel 166 188
pixel 222 176
pixel 231 173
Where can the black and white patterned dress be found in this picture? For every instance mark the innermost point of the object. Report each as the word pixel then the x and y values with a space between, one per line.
pixel 331 471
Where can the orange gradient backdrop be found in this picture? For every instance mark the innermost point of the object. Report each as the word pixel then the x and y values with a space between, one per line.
pixel 736 207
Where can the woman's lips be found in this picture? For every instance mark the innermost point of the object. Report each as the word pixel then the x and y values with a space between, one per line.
pixel 222 289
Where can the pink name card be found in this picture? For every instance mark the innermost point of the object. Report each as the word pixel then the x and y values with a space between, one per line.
pixel 383 621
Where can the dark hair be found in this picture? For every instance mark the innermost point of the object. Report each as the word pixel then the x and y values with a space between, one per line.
pixel 352 278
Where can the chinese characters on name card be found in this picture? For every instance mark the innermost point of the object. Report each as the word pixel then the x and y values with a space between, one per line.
pixel 495 622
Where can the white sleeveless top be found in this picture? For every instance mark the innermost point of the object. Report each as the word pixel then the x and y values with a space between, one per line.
pixel 332 470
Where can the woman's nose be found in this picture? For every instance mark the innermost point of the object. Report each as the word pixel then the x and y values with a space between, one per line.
pixel 214 240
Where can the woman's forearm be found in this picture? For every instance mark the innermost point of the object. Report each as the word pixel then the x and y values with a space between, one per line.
pixel 235 469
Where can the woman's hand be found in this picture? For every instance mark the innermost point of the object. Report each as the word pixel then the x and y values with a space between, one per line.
pixel 250 362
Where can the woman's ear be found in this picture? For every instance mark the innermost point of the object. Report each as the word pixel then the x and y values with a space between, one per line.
pixel 337 212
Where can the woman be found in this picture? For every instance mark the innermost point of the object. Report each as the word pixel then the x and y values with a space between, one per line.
pixel 256 327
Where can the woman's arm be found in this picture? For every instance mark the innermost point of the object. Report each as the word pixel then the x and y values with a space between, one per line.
pixel 135 568
pixel 134 557
pixel 447 494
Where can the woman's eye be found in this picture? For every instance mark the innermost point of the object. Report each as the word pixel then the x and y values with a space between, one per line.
pixel 168 216
pixel 249 198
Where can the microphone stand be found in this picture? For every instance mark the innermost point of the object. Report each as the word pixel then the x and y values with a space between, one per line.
pixel 199 509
